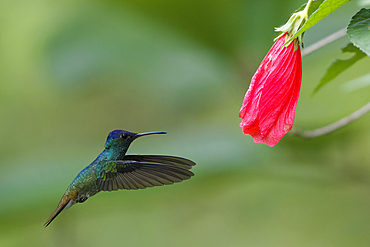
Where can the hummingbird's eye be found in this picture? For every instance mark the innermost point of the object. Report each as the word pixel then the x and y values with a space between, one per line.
pixel 123 135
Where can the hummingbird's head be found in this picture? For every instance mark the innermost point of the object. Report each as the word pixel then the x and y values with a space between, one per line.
pixel 122 138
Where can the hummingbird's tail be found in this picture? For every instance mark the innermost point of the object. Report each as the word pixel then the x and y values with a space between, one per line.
pixel 64 203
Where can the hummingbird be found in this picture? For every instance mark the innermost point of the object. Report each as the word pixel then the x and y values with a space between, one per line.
pixel 113 170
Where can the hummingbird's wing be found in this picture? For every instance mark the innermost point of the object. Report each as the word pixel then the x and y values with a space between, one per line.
pixel 132 174
pixel 162 159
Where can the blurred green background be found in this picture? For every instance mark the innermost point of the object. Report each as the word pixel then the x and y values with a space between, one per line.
pixel 72 71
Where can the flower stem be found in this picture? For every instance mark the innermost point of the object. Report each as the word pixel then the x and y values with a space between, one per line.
pixel 334 126
pixel 305 11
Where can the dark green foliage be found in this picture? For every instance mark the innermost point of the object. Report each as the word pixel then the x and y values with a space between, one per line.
pixel 339 65
pixel 359 30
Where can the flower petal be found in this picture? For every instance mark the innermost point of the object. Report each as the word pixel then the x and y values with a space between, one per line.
pixel 269 105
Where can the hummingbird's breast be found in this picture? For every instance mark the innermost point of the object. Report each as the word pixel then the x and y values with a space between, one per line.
pixel 85 184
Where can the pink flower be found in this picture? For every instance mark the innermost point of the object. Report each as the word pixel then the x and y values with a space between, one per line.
pixel 269 105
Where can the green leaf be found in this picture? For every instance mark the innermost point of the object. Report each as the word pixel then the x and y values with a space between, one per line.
pixel 313 7
pixel 338 66
pixel 358 30
pixel 326 8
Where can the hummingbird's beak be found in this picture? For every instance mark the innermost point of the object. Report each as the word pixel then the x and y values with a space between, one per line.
pixel 149 133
